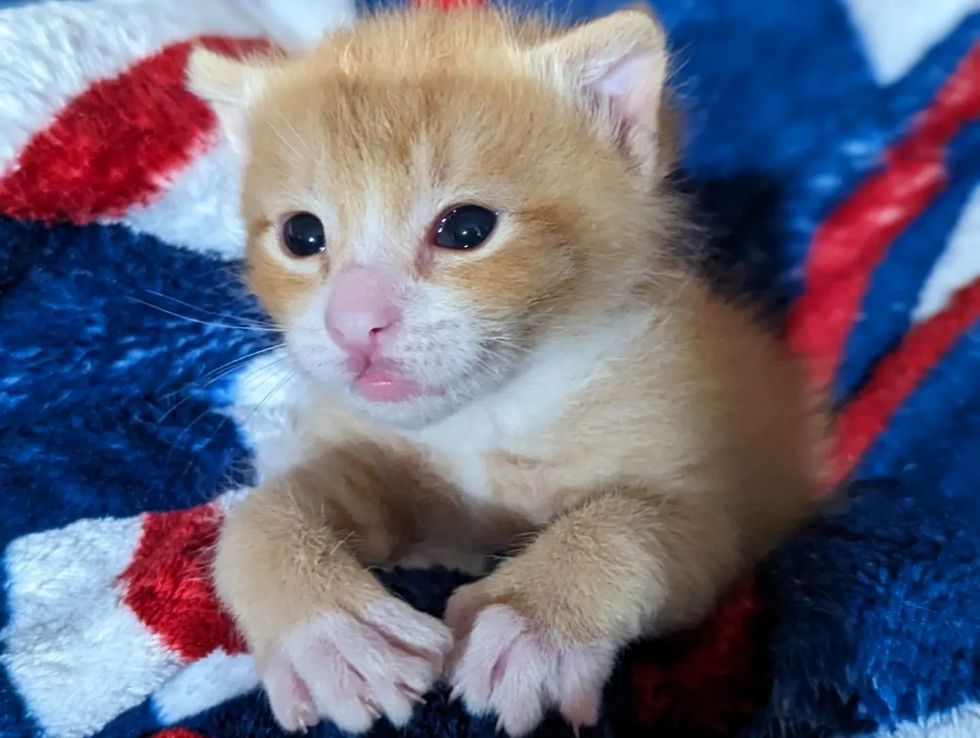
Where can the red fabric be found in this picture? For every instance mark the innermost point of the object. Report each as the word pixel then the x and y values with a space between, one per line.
pixel 115 144
pixel 897 376
pixel 177 733
pixel 850 243
pixel 712 680
pixel 448 4
pixel 169 587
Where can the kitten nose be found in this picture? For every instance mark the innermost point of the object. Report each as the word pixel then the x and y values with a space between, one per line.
pixel 361 308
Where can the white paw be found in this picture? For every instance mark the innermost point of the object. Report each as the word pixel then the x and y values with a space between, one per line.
pixel 351 670
pixel 502 665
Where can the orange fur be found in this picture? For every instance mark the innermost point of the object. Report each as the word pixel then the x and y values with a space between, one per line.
pixel 636 440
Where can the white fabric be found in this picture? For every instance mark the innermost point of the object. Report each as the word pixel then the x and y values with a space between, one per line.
pixel 959 264
pixel 214 679
pixel 68 626
pixel 896 33
pixel 199 206
pixel 100 39
pixel 961 722
pixel 53 51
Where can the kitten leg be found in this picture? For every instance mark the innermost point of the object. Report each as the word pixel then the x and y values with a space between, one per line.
pixel 544 630
pixel 329 641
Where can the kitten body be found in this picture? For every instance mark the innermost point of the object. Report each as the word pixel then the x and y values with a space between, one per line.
pixel 564 390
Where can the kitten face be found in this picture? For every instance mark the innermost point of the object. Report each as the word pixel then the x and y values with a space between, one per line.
pixel 404 141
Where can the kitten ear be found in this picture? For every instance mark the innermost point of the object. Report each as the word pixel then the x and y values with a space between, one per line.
pixel 230 86
pixel 615 69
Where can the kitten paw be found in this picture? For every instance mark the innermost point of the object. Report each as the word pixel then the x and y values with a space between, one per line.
pixel 352 670
pixel 504 665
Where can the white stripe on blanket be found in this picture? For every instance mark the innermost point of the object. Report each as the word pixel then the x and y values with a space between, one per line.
pixel 960 722
pixel 204 684
pixel 958 265
pixel 77 655
pixel 198 209
pixel 897 33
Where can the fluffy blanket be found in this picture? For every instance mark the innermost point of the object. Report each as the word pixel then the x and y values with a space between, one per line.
pixel 835 149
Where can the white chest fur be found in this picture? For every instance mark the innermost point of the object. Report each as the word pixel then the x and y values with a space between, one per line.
pixel 524 417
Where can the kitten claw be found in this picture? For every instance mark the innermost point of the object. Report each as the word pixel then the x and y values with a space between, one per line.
pixel 415 696
pixel 355 670
pixel 455 694
pixel 371 708
pixel 303 717
pixel 505 654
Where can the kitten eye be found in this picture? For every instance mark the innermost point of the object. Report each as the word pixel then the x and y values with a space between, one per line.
pixel 465 227
pixel 302 233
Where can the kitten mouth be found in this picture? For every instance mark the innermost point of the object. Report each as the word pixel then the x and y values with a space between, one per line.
pixel 380 384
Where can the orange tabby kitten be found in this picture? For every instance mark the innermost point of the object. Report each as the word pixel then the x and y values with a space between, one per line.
pixel 462 224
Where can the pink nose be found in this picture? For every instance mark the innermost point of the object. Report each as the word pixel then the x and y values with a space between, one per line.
pixel 361 309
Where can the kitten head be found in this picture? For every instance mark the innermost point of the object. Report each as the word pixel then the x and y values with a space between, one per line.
pixel 433 201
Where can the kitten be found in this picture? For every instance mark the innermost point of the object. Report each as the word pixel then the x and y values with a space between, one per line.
pixel 462 223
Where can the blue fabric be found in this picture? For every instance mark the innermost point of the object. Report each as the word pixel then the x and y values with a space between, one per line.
pixel 88 369
pixel 881 598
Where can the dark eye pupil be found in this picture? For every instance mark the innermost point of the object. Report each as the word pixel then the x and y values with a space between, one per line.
pixel 303 234
pixel 465 227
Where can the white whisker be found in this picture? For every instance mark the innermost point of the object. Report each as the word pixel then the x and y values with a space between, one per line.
pixel 252 321
pixel 205 322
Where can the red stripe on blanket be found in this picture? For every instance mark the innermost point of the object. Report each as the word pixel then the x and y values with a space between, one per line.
pixel 448 4
pixel 897 376
pixel 169 587
pixel 711 681
pixel 115 144
pixel 177 733
pixel 853 239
